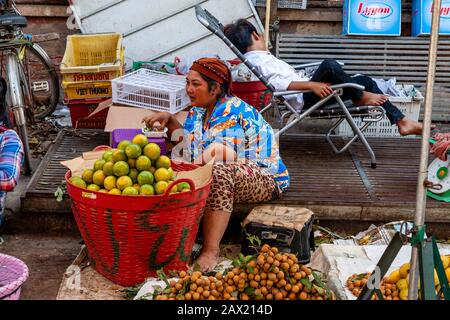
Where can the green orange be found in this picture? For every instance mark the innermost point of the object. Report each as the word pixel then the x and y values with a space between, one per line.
pixel 143 163
pixel 121 168
pixel 161 186
pixel 153 151
pixel 183 186
pixel 147 190
pixel 140 140
pixel 145 177
pixel 110 183
pixel 162 174
pixel 163 162
pixel 132 163
pixel 119 155
pixel 99 177
pixel 107 156
pixel 133 151
pixel 123 144
pixel 124 182
pixel 133 174
pixel 98 165
pixel 77 181
pixel 108 168
pixel 115 191
pixel 93 187
pixel 130 191
pixel 87 176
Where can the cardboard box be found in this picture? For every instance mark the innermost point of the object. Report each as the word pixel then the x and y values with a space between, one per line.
pixel 372 17
pixel 421 16
pixel 125 117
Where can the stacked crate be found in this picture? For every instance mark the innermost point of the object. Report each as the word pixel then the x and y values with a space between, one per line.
pixel 89 64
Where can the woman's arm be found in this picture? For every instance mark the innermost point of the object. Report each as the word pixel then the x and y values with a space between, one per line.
pixel 165 119
pixel 11 154
pixel 218 152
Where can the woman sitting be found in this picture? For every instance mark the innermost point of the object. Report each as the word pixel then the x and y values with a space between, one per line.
pixel 220 126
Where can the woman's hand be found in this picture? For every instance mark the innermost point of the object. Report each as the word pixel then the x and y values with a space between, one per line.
pixel 321 89
pixel 162 118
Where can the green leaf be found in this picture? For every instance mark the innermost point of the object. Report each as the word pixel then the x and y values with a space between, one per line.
pixel 161 275
pixel 250 258
pixel 173 273
pixel 237 263
pixel 196 267
pixel 306 283
pixel 319 281
pixel 250 291
pixel 319 289
pixel 241 257
pixel 251 269
pixel 59 194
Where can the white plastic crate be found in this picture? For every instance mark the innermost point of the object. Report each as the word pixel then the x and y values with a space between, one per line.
pixel 410 106
pixel 151 90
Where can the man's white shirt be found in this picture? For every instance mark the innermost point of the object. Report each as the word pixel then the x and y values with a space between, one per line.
pixel 279 73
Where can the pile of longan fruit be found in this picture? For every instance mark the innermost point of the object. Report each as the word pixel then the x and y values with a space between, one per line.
pixel 356 282
pixel 269 275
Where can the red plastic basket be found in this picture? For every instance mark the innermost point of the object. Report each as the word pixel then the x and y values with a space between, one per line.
pixel 81 109
pixel 129 238
pixel 255 93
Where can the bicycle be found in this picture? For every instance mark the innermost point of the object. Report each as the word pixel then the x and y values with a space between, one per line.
pixel 33 83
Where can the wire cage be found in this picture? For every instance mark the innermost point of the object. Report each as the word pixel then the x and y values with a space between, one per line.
pixel 284 4
pixel 151 90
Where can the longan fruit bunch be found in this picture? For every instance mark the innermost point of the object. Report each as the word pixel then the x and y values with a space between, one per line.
pixel 356 282
pixel 268 275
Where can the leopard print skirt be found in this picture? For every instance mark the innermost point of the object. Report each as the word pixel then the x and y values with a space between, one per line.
pixel 240 182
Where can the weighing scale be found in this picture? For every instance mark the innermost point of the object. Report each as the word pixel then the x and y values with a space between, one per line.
pixel 439 175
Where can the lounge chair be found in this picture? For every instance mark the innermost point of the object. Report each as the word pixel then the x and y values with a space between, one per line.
pixel 289 116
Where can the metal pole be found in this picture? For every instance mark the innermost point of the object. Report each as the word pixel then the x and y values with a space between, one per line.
pixel 423 171
pixel 267 25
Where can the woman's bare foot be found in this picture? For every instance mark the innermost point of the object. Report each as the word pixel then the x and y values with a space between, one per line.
pixel 371 99
pixel 408 126
pixel 207 260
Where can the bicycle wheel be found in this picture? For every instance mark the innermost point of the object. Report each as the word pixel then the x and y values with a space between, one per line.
pixel 43 81
pixel 18 105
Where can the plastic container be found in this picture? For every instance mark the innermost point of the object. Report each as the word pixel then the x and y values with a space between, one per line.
pixel 13 274
pixel 92 57
pixel 422 15
pixel 288 229
pixel 151 90
pixel 408 105
pixel 129 238
pixel 372 17
pixel 81 109
pixel 87 90
pixel 255 93
pixel 118 135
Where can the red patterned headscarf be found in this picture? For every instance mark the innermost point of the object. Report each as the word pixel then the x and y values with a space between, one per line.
pixel 214 69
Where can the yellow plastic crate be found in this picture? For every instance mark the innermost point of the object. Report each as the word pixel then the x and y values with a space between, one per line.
pixel 88 90
pixel 94 57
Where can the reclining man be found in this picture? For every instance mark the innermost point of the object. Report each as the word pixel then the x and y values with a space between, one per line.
pixel 284 77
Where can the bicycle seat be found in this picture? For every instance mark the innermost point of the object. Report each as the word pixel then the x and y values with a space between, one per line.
pixel 9 20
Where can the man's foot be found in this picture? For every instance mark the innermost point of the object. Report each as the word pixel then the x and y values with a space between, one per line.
pixel 207 260
pixel 408 126
pixel 371 99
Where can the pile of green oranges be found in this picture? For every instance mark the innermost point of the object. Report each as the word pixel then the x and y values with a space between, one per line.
pixel 135 168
